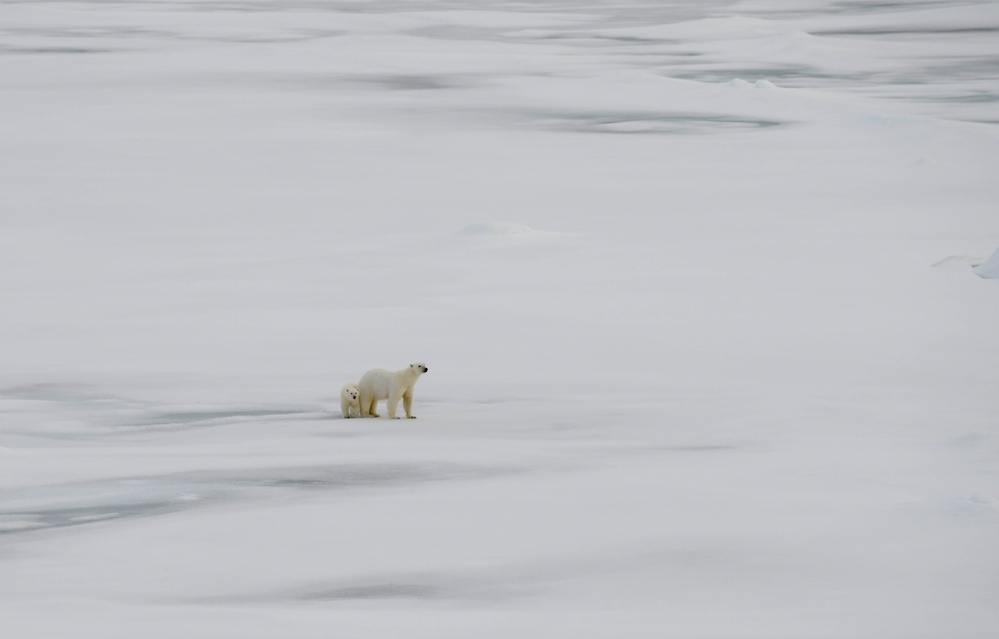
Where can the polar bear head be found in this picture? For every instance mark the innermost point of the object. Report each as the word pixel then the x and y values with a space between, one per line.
pixel 419 368
pixel 349 391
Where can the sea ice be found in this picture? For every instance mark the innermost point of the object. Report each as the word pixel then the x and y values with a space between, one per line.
pixel 693 373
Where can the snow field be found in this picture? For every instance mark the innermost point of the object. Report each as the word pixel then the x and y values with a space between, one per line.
pixel 710 355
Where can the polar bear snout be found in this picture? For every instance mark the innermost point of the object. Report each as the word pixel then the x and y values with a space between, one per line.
pixel 425 369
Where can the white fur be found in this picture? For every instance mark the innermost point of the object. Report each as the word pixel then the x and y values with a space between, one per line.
pixel 350 403
pixel 378 384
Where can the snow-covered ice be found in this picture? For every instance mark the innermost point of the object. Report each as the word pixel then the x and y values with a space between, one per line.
pixel 706 356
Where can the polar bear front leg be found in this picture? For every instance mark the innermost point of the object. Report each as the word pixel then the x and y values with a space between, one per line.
pixel 407 403
pixel 393 405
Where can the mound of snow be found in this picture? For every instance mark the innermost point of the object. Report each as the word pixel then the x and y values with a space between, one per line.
pixel 502 231
pixel 990 269
pixel 739 83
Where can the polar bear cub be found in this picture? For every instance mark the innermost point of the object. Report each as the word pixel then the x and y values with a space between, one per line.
pixel 350 404
pixel 378 384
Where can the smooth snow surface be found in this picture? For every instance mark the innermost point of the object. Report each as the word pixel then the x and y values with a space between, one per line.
pixel 693 373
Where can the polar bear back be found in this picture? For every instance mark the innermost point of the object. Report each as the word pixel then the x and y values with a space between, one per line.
pixel 377 382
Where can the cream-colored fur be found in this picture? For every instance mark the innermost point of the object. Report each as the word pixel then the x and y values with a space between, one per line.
pixel 350 403
pixel 378 384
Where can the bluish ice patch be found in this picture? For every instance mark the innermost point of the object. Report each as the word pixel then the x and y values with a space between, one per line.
pixel 90 413
pixel 623 123
pixel 51 507
pixel 208 416
pixel 377 591
pixel 62 506
pixel 881 32
pixel 975 509
pixel 410 82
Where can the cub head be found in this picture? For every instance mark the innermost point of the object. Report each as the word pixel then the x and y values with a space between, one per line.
pixel 351 392
pixel 419 367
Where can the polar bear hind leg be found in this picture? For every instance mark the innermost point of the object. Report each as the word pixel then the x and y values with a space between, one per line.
pixel 369 406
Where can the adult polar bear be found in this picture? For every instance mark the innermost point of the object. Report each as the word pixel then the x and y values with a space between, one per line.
pixel 378 384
